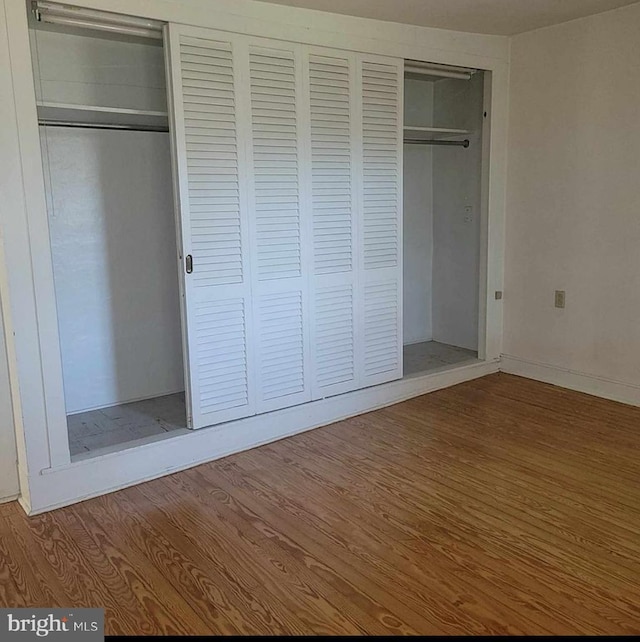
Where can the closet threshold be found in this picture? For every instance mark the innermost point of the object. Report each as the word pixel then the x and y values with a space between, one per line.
pixel 129 445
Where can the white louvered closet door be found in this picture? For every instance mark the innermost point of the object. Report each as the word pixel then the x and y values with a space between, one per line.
pixel 330 83
pixel 217 306
pixel 278 228
pixel 380 239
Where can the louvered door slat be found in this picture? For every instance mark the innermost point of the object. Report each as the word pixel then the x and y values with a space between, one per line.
pixel 218 126
pixel 381 234
pixel 278 267
pixel 273 96
pixel 334 338
pixel 331 83
pixel 217 297
pixel 281 346
pixel 380 87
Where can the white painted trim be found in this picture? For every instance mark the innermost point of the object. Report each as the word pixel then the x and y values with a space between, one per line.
pixel 622 391
pixel 173 391
pixel 58 487
pixel 28 251
pixel 494 183
pixel 9 498
pixel 321 28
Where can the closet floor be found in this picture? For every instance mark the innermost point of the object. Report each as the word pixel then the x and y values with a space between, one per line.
pixel 432 355
pixel 116 425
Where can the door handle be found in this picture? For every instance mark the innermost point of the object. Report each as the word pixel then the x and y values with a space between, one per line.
pixel 188 263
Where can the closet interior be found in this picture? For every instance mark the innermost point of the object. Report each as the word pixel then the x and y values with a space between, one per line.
pixel 102 113
pixel 443 118
pixel 275 272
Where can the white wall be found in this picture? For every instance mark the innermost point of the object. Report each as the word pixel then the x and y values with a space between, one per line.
pixel 114 256
pixel 8 458
pixel 77 68
pixel 456 228
pixel 418 216
pixel 573 209
pixel 111 222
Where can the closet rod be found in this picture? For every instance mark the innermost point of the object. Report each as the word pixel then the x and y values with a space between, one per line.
pixel 130 128
pixel 454 143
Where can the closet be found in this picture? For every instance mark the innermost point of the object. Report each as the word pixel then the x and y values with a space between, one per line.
pixel 102 111
pixel 225 235
pixel 443 119
pixel 225 219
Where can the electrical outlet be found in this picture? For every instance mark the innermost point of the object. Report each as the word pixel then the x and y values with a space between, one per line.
pixel 560 297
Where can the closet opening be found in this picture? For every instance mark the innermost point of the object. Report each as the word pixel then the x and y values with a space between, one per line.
pixel 102 111
pixel 443 158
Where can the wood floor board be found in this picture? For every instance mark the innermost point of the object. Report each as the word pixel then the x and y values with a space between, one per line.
pixel 490 507
pixel 313 552
pixel 523 490
pixel 389 556
pixel 309 545
pixel 21 584
pixel 505 415
pixel 190 569
pixel 498 506
pixel 414 531
pixel 165 607
pixel 249 555
pixel 282 552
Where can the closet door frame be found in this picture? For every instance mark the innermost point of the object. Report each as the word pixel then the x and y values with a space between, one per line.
pixel 30 316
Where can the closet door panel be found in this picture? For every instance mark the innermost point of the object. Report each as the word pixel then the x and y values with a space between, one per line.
pixel 217 306
pixel 334 339
pixel 331 86
pixel 282 367
pixel 381 83
pixel 382 357
pixel 280 272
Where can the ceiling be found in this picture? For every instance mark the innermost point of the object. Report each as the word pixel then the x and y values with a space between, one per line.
pixel 500 17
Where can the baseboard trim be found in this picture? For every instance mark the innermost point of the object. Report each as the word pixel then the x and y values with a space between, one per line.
pixel 87 478
pixel 604 387
pixel 9 498
pixel 125 401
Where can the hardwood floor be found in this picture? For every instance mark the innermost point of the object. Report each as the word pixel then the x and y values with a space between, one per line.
pixel 499 506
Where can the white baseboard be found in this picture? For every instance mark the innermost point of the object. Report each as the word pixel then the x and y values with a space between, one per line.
pixel 121 402
pixel 9 498
pixel 604 387
pixel 80 480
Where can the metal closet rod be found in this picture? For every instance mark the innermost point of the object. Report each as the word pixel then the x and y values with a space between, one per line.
pixel 452 143
pixel 133 128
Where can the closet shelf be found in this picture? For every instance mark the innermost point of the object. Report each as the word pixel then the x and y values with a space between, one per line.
pixel 88 115
pixel 433 132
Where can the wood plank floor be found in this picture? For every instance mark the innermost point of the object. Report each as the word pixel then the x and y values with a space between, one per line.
pixel 499 506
